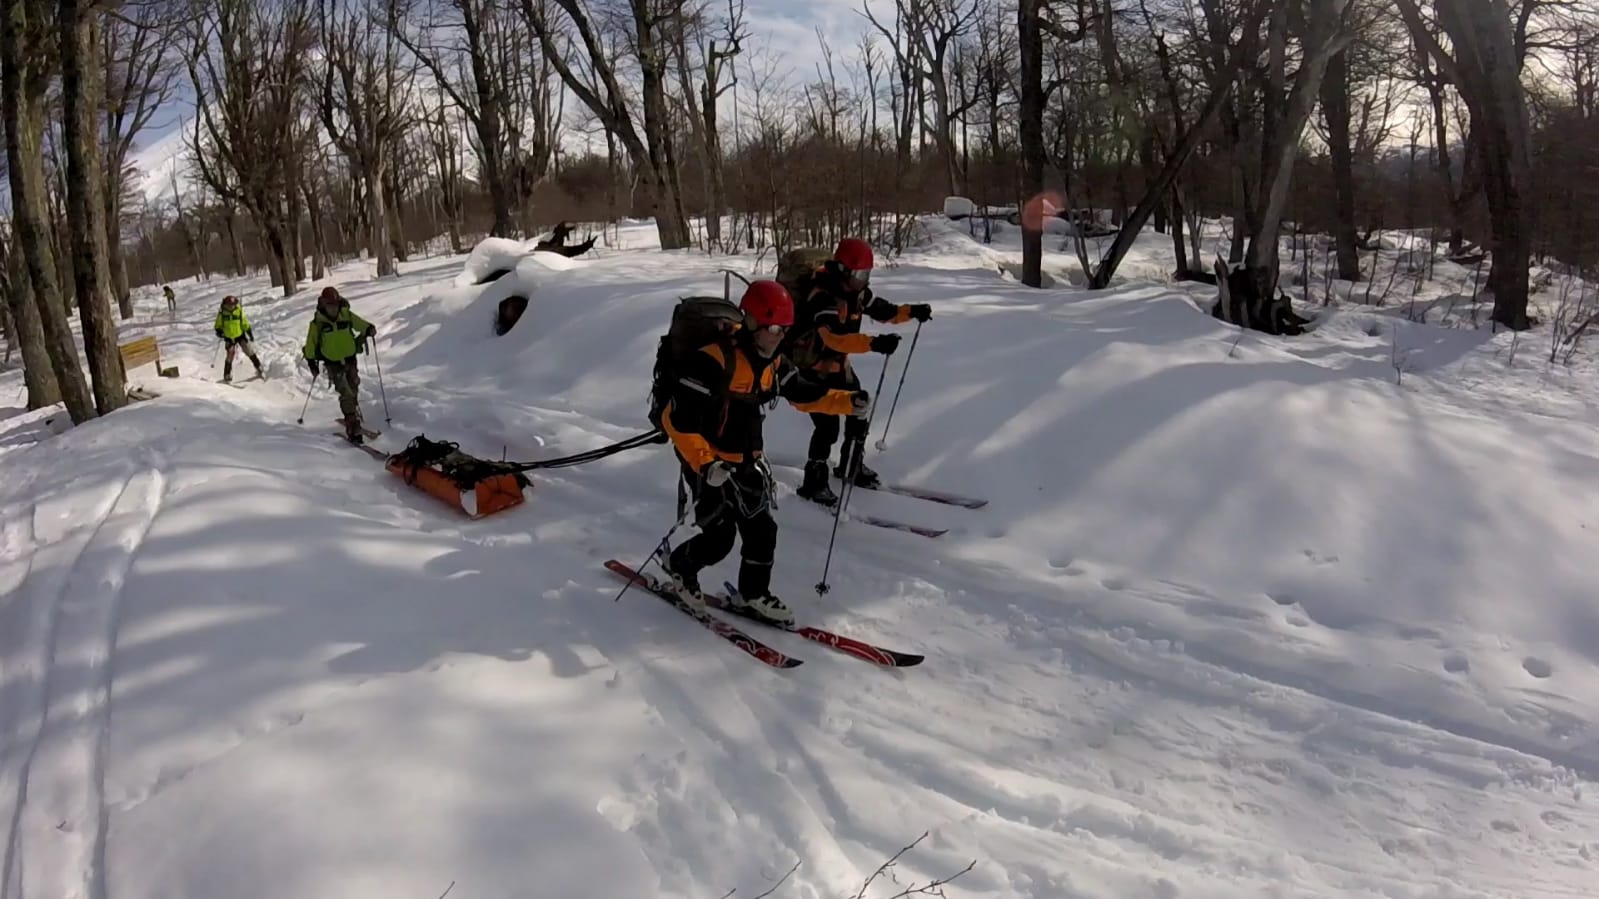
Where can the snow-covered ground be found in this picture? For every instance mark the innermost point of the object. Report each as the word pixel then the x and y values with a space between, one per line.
pixel 1243 616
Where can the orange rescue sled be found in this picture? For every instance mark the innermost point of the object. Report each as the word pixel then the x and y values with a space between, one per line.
pixel 477 487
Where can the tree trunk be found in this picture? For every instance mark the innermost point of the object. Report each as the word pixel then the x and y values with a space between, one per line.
pixel 1031 128
pixel 24 126
pixel 671 221
pixel 116 260
pixel 319 243
pixel 293 230
pixel 1156 192
pixel 80 55
pixel 1335 106
pixel 1179 246
pixel 235 244
pixel 391 189
pixel 119 265
pixel 1281 148
pixel 377 224
pixel 27 333
pixel 1490 82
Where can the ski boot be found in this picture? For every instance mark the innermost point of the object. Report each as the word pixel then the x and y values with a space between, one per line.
pixel 816 488
pixel 864 477
pixel 767 607
pixel 686 587
pixel 353 432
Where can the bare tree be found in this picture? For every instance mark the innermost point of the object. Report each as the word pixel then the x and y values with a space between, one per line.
pixel 78 26
pixel 933 30
pixel 139 76
pixel 461 36
pixel 25 329
pixel 1484 63
pixel 444 154
pixel 246 65
pixel 591 74
pixel 27 62
pixel 701 106
pixel 365 88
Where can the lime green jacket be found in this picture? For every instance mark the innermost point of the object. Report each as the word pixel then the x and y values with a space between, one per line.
pixel 337 338
pixel 232 323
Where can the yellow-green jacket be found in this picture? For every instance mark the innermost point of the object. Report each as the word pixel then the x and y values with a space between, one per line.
pixel 336 338
pixel 231 323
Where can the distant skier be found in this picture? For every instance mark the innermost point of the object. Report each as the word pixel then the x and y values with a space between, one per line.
pixel 172 298
pixel 233 328
pixel 336 336
pixel 714 418
pixel 833 298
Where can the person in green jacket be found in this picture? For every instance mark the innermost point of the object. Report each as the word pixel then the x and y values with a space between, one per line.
pixel 234 329
pixel 337 335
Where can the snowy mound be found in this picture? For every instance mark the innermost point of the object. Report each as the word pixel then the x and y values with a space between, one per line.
pixel 494 257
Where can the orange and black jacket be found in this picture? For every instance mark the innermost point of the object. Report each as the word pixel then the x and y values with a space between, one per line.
pixel 835 313
pixel 714 416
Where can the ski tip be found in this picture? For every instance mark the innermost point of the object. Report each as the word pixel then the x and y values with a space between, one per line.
pixel 906 659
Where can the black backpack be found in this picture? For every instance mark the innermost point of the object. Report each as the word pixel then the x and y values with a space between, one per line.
pixel 696 321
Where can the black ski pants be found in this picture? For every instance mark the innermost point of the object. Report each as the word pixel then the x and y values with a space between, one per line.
pixel 721 512
pixel 825 427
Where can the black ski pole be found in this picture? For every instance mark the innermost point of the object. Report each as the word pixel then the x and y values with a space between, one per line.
pixel 308 388
pixel 851 467
pixel 381 391
pixel 883 440
pixel 661 544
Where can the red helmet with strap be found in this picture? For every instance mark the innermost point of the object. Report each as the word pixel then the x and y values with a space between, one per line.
pixel 854 254
pixel 767 303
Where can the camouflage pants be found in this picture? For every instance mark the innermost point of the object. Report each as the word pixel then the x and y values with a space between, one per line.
pixel 346 379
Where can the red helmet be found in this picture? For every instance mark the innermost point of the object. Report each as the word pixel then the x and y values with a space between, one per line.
pixel 854 254
pixel 768 303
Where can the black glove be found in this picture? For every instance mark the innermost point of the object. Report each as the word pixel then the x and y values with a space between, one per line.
pixel 371 330
pixel 250 335
pixel 921 311
pixel 885 344
pixel 220 335
pixel 316 368
pixel 860 404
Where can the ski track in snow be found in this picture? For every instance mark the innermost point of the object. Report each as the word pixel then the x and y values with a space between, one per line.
pixel 54 771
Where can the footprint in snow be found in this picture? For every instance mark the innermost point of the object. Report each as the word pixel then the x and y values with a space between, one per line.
pixel 1113 583
pixel 1282 599
pixel 1537 667
pixel 1456 663
pixel 1065 565
pixel 1317 558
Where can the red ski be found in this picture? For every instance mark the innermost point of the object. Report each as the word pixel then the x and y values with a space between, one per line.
pixel 716 625
pixel 860 649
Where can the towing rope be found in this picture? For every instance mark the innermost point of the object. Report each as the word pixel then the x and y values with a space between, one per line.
pixel 466 470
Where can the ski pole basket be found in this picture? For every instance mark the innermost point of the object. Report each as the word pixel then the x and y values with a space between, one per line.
pixel 477 487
